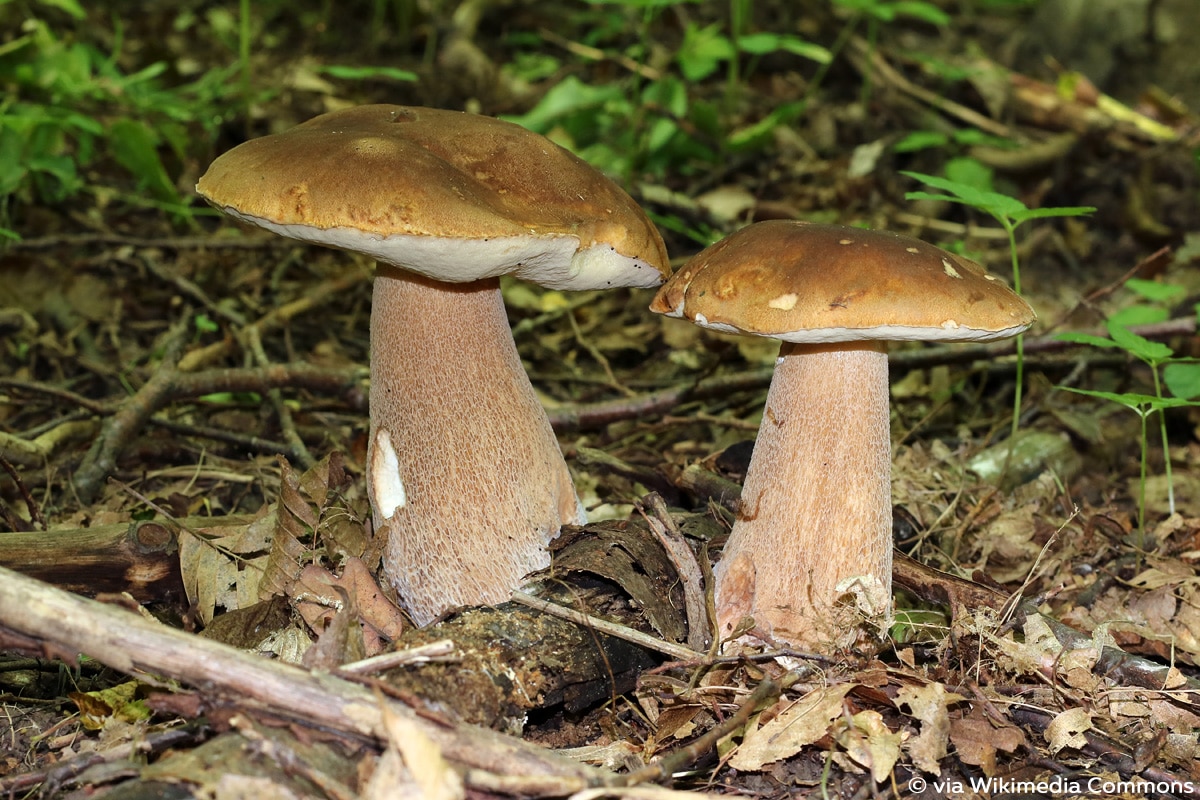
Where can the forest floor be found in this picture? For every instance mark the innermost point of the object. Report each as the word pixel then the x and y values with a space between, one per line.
pixel 162 363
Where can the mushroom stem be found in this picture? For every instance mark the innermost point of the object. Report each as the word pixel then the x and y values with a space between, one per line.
pixel 816 506
pixel 482 486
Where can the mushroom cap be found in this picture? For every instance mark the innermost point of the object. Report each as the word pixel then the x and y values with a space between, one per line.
pixel 809 283
pixel 452 196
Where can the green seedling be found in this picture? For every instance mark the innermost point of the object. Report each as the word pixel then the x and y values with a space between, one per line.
pixel 205 324
pixel 1010 213
pixel 1180 376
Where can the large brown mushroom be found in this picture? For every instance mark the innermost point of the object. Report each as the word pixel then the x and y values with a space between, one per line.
pixel 810 553
pixel 464 473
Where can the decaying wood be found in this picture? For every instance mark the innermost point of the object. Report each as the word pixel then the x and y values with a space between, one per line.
pixel 511 660
pixel 139 557
pixel 518 657
pixel 35 616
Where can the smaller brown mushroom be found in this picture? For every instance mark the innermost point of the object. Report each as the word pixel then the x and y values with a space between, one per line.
pixel 815 524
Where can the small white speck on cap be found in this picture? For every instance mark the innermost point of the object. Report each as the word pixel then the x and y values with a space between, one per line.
pixel 950 324
pixel 989 277
pixel 385 476
pixel 845 241
pixel 949 269
pixel 912 250
pixel 785 302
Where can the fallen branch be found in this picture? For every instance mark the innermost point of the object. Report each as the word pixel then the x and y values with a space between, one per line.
pixel 138 557
pixel 38 617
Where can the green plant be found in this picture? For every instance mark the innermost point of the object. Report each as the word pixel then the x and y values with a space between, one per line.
pixel 1180 376
pixel 964 137
pixel 653 121
pixel 70 104
pixel 1010 213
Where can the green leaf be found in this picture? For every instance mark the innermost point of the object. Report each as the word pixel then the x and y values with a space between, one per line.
pixel 135 146
pixel 759 44
pixel 660 133
pixel 669 93
pixel 1155 291
pixel 971 172
pixel 1138 315
pixel 1143 348
pixel 974 136
pixel 920 140
pixel 1000 206
pixel 1183 379
pixel 703 50
pixel 205 324
pixel 755 135
pixel 1084 338
pixel 70 6
pixel 350 73
pixel 1141 404
pixel 1026 214
pixel 926 12
pixel 62 169
pixel 568 96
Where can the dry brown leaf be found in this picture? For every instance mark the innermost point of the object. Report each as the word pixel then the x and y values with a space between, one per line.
pixel 727 203
pixel 424 773
pixel 222 571
pixel 1135 703
pixel 305 501
pixel 867 740
pixel 317 603
pixel 978 740
pixel 801 723
pixel 1008 548
pixel 1067 730
pixel 929 704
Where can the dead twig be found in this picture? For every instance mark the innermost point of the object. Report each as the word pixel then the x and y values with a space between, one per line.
pixel 298 450
pixel 608 628
pixel 118 430
pixel 862 54
pixel 60 772
pixel 596 54
pixel 314 298
pixel 584 416
pixel 249 443
pixel 654 510
pixel 35 510
pixel 138 557
pixel 678 759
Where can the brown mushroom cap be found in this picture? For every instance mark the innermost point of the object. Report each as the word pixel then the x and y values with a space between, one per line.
pixel 809 283
pixel 452 196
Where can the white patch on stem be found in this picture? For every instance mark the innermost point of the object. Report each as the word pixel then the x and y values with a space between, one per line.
pixel 385 476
